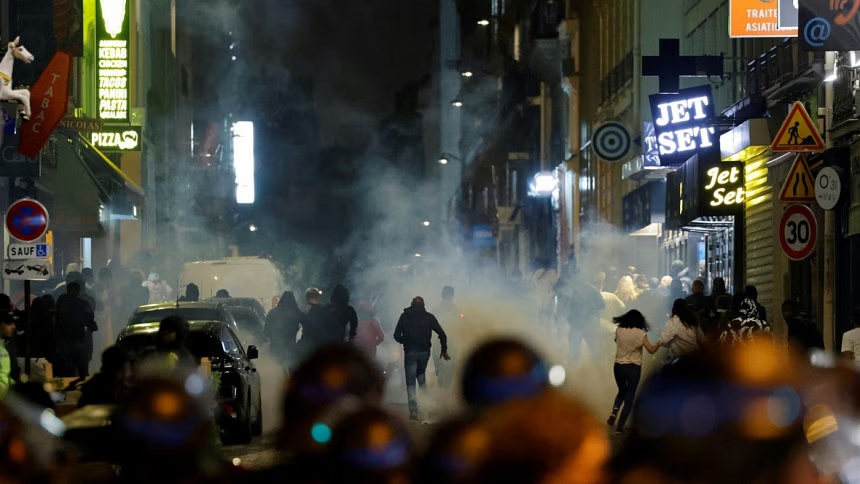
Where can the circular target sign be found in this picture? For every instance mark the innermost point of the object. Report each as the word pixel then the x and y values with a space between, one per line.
pixel 611 141
pixel 798 231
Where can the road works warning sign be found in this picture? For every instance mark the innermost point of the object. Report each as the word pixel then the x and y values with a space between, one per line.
pixel 798 132
pixel 799 185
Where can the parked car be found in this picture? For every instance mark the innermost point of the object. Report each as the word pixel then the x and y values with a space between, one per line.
pixel 190 310
pixel 240 412
pixel 250 317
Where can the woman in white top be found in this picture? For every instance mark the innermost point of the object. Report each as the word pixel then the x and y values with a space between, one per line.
pixel 681 334
pixel 630 337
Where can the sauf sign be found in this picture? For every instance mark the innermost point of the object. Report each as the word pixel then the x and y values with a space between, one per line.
pixel 682 123
pixel 722 187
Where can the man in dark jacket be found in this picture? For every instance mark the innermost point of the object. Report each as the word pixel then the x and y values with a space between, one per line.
pixel 75 324
pixel 344 315
pixel 318 326
pixel 414 331
pixel 282 328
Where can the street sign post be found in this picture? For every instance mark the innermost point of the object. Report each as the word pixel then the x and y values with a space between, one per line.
pixel 798 232
pixel 27 220
pixel 798 132
pixel 799 185
pixel 27 270
pixel 828 188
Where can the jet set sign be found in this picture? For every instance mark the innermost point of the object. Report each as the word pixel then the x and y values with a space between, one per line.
pixel 117 138
pixel 682 123
pixel 722 187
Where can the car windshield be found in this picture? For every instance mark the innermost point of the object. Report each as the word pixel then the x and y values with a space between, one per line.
pixel 190 314
pixel 245 318
pixel 201 344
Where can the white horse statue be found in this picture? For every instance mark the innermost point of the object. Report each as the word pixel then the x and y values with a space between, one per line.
pixel 15 51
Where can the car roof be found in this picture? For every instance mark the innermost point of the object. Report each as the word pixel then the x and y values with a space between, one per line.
pixel 193 326
pixel 234 301
pixel 180 305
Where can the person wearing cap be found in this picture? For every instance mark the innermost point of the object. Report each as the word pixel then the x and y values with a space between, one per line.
pixel 414 331
pixel 318 326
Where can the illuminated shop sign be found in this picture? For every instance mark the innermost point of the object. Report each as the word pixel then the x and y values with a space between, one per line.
pixel 721 188
pixel 650 150
pixel 117 138
pixel 113 59
pixel 682 123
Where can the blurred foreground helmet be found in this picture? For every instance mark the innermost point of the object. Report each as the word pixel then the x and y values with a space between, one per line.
pixel 326 376
pixel 455 453
pixel 503 369
pixel 27 440
pixel 370 445
pixel 165 426
pixel 548 438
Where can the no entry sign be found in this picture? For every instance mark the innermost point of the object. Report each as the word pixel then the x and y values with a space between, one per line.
pixel 27 220
pixel 798 232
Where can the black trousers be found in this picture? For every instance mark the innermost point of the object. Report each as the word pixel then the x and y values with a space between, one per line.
pixel 627 378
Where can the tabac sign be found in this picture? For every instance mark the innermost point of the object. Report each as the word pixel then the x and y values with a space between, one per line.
pixel 112 27
pixel 682 123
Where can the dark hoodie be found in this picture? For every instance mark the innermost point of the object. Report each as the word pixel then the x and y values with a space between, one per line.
pixel 414 330
pixel 342 313
pixel 282 325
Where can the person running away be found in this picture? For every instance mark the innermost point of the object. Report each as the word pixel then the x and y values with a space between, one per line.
pixel 630 337
pixel 414 331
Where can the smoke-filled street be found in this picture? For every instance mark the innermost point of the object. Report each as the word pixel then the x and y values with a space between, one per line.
pixel 432 241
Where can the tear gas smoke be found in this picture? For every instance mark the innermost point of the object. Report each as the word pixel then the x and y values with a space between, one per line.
pixel 390 203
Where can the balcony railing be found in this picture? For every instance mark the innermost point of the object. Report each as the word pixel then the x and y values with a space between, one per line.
pixel 617 77
pixel 779 64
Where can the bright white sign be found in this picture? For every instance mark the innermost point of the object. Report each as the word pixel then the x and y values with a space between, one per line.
pixel 243 161
pixel 683 112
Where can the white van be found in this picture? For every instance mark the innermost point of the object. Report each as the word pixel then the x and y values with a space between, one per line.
pixel 255 277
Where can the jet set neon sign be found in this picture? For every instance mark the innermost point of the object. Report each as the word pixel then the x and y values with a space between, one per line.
pixel 724 186
pixel 682 124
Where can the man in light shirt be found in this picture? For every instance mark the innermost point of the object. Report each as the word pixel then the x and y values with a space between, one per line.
pixel 851 338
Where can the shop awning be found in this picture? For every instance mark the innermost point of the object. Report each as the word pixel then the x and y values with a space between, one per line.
pixel 113 184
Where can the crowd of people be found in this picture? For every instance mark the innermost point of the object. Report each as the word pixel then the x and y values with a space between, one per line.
pixel 728 401
pixel 76 316
pixel 753 412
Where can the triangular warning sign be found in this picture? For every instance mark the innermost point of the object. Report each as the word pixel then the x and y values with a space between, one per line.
pixel 799 185
pixel 798 132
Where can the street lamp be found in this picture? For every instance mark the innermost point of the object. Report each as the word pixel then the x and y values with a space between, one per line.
pixel 466 74
pixel 457 103
pixel 483 22
pixel 543 184
pixel 446 158
pixel 426 223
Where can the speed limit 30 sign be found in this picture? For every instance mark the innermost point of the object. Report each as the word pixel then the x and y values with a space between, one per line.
pixel 797 232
